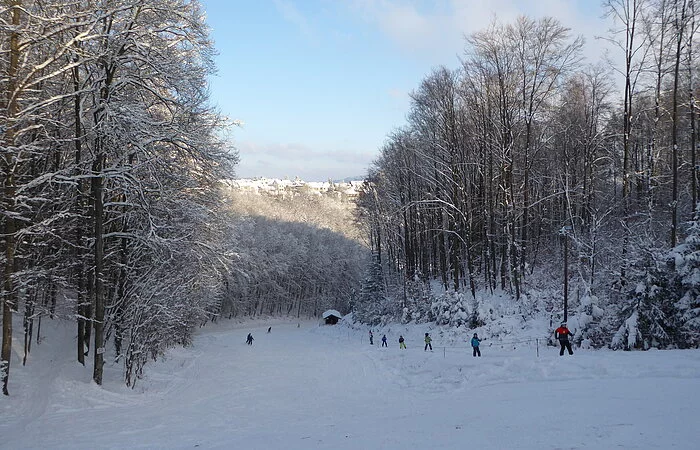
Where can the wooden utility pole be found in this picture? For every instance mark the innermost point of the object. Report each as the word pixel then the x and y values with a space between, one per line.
pixel 565 233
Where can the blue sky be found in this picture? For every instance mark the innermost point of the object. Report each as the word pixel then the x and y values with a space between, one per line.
pixel 319 84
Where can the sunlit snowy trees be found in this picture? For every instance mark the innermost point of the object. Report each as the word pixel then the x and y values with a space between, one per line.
pixel 524 159
pixel 111 159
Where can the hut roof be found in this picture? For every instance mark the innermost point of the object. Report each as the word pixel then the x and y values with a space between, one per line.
pixel 332 312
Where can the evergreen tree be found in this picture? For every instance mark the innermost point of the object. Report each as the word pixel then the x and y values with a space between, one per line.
pixel 648 319
pixel 475 319
pixel 440 309
pixel 458 312
pixel 372 294
pixel 686 277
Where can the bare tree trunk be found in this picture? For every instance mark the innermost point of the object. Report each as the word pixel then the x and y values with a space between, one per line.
pixel 121 286
pixel 651 154
pixel 88 305
pixel 99 266
pixel 691 108
pixel 693 131
pixel 80 270
pixel 680 26
pixel 9 297
pixel 97 191
pixel 491 230
pixel 28 323
pixel 628 12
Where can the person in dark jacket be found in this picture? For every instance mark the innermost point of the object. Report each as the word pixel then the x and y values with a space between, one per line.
pixel 428 341
pixel 384 344
pixel 371 338
pixel 562 333
pixel 249 339
pixel 402 342
pixel 475 345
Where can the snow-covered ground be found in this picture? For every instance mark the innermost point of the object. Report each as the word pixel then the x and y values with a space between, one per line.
pixel 325 387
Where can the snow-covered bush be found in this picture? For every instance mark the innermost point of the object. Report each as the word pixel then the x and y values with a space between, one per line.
pixel 588 316
pixel 440 309
pixel 686 258
pixel 628 335
pixel 417 303
pixel 458 313
pixel 450 308
pixel 648 318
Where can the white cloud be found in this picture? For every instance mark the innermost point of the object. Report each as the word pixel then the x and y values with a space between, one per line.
pixel 292 15
pixel 435 30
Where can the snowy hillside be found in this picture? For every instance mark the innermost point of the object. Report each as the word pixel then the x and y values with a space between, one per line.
pixel 287 187
pixel 304 386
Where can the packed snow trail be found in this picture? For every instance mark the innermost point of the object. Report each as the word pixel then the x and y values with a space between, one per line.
pixel 313 387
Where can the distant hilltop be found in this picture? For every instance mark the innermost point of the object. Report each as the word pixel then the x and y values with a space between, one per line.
pixel 349 179
pixel 283 188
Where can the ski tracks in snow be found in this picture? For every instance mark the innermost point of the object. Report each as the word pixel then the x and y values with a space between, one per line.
pixel 310 387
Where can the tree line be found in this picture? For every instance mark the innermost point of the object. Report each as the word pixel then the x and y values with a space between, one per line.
pixel 296 254
pixel 524 159
pixel 111 156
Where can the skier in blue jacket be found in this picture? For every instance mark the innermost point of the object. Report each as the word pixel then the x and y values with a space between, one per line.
pixel 475 345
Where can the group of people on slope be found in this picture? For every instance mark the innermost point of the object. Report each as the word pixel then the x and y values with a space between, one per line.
pixel 562 334
pixel 475 341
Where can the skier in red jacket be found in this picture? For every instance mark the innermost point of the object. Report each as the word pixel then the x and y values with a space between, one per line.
pixel 562 333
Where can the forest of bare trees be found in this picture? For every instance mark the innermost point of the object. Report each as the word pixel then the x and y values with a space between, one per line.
pixel 110 161
pixel 296 255
pixel 526 159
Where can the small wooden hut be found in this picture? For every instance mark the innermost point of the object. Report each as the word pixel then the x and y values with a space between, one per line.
pixel 331 317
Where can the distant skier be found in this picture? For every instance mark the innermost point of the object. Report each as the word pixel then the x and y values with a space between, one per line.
pixel 428 341
pixel 402 342
pixel 269 329
pixel 475 345
pixel 384 341
pixel 562 333
pixel 371 338
pixel 249 340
